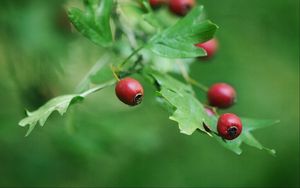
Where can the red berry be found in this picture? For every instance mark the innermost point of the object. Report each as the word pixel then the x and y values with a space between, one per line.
pixel 229 126
pixel 210 47
pixel 221 95
pixel 181 7
pixel 129 91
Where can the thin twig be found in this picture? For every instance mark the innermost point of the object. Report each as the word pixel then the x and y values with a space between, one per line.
pixel 130 56
pixel 97 66
pixel 190 80
pixel 97 88
pixel 114 72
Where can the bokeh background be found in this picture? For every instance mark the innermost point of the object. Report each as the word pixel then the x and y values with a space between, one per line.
pixel 102 142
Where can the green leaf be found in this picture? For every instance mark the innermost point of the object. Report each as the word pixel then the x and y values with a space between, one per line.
pixel 94 21
pixel 247 138
pixel 253 124
pixel 190 114
pixel 102 15
pixel 60 104
pixel 40 116
pixel 178 41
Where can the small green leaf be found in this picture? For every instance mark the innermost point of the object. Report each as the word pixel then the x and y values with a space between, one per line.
pixel 186 105
pixel 60 104
pixel 40 116
pixel 246 137
pixel 102 15
pixel 178 41
pixel 172 51
pixel 253 124
pixel 189 112
pixel 94 21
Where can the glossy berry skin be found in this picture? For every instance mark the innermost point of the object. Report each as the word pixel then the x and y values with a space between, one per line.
pixel 229 126
pixel 221 95
pixel 129 91
pixel 210 47
pixel 156 3
pixel 181 7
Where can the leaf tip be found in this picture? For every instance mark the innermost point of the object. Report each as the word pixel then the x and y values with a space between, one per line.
pixel 22 123
pixel 271 151
pixel 277 121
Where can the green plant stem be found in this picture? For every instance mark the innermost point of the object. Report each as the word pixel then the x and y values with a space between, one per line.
pixel 97 66
pixel 98 87
pixel 197 84
pixel 130 56
pixel 190 80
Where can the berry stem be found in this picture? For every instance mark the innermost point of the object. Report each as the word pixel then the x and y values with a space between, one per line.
pixel 130 56
pixel 83 84
pixel 190 80
pixel 197 84
pixel 114 72
pixel 97 88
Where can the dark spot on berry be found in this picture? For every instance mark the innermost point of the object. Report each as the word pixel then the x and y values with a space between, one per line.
pixel 138 98
pixel 232 131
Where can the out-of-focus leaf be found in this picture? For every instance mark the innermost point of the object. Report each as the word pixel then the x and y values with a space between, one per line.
pixel 94 21
pixel 178 41
pixel 40 116
pixel 60 104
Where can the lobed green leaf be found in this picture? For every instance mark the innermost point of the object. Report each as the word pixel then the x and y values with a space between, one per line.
pixel 94 21
pixel 60 104
pixel 186 105
pixel 178 41
pixel 40 116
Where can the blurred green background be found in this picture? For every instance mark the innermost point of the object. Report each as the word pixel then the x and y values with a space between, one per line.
pixel 102 142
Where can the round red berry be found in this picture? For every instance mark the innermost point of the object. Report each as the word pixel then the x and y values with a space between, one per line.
pixel 210 47
pixel 221 95
pixel 229 126
pixel 129 91
pixel 181 7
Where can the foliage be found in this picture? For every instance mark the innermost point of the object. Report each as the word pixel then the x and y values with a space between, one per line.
pixel 171 41
pixel 191 115
pixel 94 21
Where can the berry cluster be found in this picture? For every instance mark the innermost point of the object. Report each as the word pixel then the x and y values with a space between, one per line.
pixel 220 95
